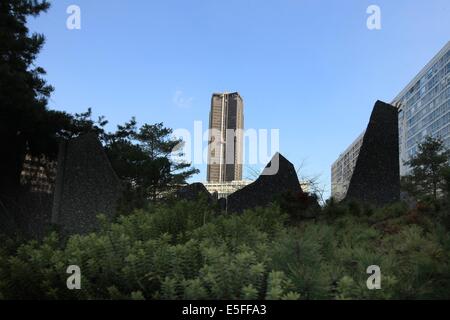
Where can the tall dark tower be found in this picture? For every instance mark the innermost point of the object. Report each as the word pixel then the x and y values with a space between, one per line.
pixel 225 144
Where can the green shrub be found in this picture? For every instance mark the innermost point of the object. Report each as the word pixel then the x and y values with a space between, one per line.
pixel 183 250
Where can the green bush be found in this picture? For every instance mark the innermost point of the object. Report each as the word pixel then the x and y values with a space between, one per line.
pixel 184 250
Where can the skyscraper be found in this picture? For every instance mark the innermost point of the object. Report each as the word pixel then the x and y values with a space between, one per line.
pixel 225 145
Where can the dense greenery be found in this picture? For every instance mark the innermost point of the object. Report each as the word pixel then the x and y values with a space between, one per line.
pixel 183 250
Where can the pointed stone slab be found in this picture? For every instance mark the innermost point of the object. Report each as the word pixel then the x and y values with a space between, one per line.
pixel 278 177
pixel 193 192
pixel 86 185
pixel 376 177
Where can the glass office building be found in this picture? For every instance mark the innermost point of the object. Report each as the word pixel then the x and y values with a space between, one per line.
pixel 424 110
pixel 424 107
pixel 342 169
pixel 225 150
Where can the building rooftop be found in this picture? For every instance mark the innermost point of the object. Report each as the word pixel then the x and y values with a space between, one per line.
pixel 421 73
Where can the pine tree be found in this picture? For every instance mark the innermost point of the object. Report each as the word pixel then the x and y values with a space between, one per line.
pixel 143 159
pixel 162 172
pixel 427 169
pixel 26 126
pixel 23 93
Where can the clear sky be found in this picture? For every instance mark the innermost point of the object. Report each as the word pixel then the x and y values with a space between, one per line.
pixel 310 68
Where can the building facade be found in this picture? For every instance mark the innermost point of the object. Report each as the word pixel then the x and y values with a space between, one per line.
pixel 342 169
pixel 424 107
pixel 225 145
pixel 38 174
pixel 424 110
pixel 224 189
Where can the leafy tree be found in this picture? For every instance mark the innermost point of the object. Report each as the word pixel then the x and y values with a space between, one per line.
pixel 26 124
pixel 23 92
pixel 427 169
pixel 141 157
pixel 446 184
pixel 159 172
pixel 144 158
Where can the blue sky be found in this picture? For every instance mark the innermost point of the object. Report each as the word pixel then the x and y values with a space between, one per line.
pixel 310 68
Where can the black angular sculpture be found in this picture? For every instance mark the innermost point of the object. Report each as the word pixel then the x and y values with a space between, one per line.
pixel 193 192
pixel 278 177
pixel 376 177
pixel 86 185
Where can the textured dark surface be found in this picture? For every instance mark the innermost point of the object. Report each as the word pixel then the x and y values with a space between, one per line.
pixel 222 204
pixel 376 177
pixel 35 212
pixel 86 185
pixel 267 187
pixel 27 215
pixel 193 192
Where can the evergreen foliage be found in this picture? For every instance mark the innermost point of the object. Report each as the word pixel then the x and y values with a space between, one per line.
pixel 24 120
pixel 429 170
pixel 184 250
pixel 142 157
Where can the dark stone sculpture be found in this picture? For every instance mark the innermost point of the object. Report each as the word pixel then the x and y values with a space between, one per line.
pixel 222 204
pixel 279 177
pixel 193 192
pixel 376 177
pixel 86 185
